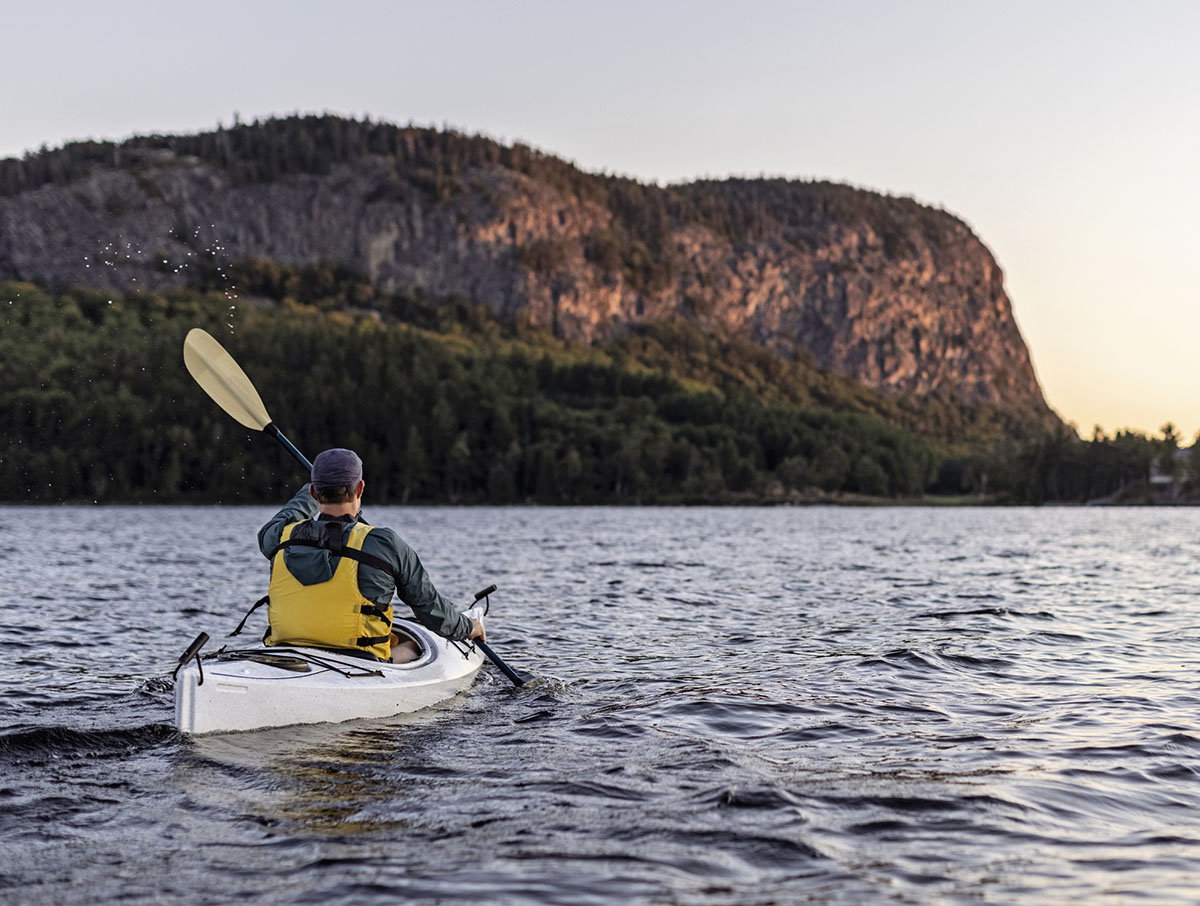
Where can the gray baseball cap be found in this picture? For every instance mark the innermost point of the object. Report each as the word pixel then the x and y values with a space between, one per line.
pixel 338 467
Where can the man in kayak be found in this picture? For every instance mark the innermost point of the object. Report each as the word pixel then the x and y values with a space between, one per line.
pixel 333 575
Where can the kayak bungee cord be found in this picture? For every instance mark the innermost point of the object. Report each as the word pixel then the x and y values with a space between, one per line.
pixel 290 659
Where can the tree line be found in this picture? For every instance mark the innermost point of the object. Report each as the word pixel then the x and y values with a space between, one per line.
pixel 447 405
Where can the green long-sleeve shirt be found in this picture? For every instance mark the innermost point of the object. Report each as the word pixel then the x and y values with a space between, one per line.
pixel 311 565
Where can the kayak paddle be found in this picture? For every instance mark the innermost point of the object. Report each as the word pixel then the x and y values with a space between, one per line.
pixel 224 381
pixel 518 679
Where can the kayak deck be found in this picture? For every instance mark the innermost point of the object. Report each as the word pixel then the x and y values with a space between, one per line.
pixel 279 686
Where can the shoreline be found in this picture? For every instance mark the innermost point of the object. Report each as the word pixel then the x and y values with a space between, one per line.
pixel 931 501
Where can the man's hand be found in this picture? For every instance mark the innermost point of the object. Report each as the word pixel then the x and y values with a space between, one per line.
pixel 477 631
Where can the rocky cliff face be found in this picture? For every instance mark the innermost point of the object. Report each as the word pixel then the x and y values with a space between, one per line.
pixel 895 295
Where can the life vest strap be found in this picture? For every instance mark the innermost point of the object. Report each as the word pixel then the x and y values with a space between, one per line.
pixel 367 559
pixel 253 607
pixel 375 610
pixel 366 641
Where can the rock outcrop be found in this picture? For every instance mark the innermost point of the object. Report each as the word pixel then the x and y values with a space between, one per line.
pixel 894 294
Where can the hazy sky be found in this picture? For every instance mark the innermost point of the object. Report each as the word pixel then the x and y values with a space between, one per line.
pixel 1066 133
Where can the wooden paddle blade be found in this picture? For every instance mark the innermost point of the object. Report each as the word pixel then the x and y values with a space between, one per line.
pixel 221 378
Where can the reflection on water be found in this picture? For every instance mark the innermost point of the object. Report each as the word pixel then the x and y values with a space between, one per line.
pixel 735 706
pixel 322 780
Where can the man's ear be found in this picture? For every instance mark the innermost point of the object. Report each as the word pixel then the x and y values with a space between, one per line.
pixel 358 492
pixel 312 492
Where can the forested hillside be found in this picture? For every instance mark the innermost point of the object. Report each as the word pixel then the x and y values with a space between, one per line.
pixel 97 405
pixel 448 404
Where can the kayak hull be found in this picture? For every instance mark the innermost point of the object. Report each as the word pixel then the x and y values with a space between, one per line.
pixel 246 694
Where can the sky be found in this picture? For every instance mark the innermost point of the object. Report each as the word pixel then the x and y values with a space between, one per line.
pixel 1067 134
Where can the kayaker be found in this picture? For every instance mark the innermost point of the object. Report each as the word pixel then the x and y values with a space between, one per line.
pixel 333 574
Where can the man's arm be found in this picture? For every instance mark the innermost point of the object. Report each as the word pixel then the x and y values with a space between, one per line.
pixel 415 588
pixel 301 506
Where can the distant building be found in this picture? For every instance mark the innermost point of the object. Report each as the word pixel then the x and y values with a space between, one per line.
pixel 1160 478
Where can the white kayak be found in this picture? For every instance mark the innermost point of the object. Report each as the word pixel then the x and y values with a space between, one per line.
pixel 259 687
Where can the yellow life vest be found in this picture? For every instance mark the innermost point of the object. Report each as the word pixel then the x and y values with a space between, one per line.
pixel 332 614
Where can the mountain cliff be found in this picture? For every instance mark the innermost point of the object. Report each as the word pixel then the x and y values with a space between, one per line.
pixel 888 292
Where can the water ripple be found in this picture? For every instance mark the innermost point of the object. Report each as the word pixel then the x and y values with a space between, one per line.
pixel 733 707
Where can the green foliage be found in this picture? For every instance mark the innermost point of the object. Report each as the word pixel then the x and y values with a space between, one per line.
pixel 447 404
pixel 328 285
pixel 1059 467
pixel 96 405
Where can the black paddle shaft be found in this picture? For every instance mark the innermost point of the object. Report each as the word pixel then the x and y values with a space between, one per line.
pixel 517 679
pixel 271 429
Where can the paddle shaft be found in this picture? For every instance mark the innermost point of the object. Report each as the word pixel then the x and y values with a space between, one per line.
pixel 270 428
pixel 517 679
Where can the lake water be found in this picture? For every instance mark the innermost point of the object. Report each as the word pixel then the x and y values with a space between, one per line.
pixel 734 706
